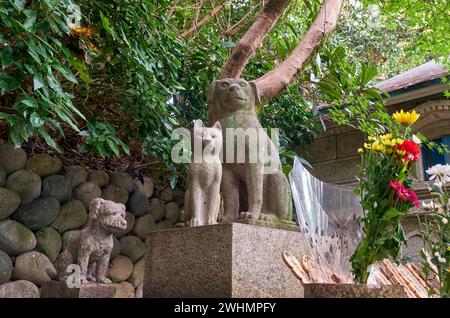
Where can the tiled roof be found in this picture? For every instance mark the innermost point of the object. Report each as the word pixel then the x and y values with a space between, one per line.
pixel 422 73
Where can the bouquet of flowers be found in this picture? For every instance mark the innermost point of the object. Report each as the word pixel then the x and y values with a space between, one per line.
pixel 436 229
pixel 386 197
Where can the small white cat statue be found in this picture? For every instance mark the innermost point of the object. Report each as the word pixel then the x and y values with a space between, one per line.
pixel 202 198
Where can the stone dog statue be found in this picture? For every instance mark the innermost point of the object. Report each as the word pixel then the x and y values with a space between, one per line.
pixel 249 191
pixel 91 248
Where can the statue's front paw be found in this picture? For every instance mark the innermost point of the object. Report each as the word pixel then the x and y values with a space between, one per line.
pixel 195 222
pixel 248 216
pixel 223 219
pixel 211 221
pixel 91 278
pixel 83 280
pixel 104 280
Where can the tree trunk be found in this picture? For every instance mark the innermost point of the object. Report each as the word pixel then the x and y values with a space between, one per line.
pixel 254 36
pixel 272 83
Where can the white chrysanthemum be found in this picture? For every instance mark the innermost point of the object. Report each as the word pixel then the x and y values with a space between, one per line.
pixel 442 260
pixel 440 173
pixel 444 221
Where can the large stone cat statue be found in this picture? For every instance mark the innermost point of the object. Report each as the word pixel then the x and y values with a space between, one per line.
pixel 248 190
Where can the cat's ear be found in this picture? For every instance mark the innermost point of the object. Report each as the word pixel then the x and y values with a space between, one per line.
pixel 256 93
pixel 217 125
pixel 198 123
pixel 211 90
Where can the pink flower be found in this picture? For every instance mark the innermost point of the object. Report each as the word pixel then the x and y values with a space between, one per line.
pixel 404 194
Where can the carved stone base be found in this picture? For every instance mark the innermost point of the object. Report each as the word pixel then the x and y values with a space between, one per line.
pixel 353 291
pixel 224 260
pixel 282 225
pixel 60 290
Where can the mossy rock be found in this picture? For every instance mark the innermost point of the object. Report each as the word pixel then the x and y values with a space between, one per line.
pixel 121 179
pixel 116 194
pixel 132 246
pixel 44 165
pixel 157 209
pixel 12 159
pixel 76 175
pixel 3 175
pixel 5 267
pixel 69 237
pixel 172 212
pixel 34 267
pixel 26 184
pixel 138 204
pixel 57 187
pixel 19 289
pixel 15 238
pixel 123 290
pixel 137 277
pixel 39 213
pixel 144 225
pixel 49 242
pixel 72 216
pixel 9 202
pixel 99 177
pixel 120 268
pixel 86 192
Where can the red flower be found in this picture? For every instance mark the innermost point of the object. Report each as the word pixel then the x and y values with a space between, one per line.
pixel 412 151
pixel 404 194
pixel 413 198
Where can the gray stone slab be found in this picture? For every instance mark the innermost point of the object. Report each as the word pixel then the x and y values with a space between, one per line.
pixel 60 290
pixel 226 260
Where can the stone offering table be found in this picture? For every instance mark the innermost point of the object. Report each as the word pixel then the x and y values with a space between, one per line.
pixel 60 290
pixel 225 260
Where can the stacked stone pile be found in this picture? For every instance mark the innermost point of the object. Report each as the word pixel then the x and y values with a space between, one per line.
pixel 43 204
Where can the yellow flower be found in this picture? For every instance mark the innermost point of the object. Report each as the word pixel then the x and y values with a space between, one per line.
pixel 360 150
pixel 448 270
pixel 401 153
pixel 372 138
pixel 448 248
pixel 406 118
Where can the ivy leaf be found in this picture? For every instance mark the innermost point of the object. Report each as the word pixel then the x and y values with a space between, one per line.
pixel 30 20
pixel 7 82
pixel 36 121
pixel 38 82
pixel 19 4
pixel 7 56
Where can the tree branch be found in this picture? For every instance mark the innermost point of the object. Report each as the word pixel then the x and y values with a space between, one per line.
pixel 205 19
pixel 172 8
pixel 266 19
pixel 272 83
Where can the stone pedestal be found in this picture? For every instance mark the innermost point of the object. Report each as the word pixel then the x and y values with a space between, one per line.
pixel 225 260
pixel 353 291
pixel 60 290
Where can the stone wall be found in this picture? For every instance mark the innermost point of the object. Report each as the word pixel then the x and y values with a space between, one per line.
pixel 43 203
pixel 334 155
